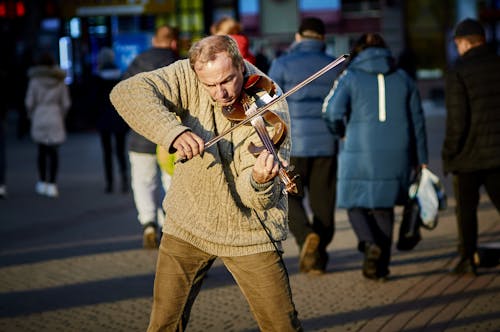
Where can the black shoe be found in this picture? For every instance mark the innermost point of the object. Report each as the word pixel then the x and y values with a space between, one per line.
pixel 371 261
pixel 465 266
pixel 488 255
pixel 309 254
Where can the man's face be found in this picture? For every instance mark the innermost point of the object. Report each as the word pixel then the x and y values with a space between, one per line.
pixel 462 45
pixel 221 79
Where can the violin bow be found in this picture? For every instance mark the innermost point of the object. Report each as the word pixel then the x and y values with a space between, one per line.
pixel 266 107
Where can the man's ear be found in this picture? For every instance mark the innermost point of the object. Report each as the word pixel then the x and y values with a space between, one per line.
pixel 173 44
pixel 298 37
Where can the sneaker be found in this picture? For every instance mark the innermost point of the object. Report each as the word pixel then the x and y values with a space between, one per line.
pixel 309 254
pixel 41 188
pixel 3 191
pixel 149 240
pixel 51 190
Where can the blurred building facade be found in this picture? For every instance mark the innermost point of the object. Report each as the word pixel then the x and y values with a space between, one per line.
pixel 75 30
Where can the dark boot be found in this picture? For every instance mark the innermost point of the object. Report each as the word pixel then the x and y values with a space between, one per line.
pixel 371 260
pixel 309 254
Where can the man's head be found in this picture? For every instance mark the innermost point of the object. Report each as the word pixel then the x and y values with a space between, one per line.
pixel 311 28
pixel 219 66
pixel 165 37
pixel 468 34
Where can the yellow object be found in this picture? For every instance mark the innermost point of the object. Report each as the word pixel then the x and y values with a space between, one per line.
pixel 165 160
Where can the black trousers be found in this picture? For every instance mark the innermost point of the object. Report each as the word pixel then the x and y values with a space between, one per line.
pixel 374 226
pixel 48 162
pixel 119 151
pixel 318 177
pixel 466 189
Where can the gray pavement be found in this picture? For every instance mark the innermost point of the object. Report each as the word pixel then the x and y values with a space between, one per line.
pixel 75 263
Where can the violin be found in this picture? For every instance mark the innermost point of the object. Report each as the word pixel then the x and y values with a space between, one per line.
pixel 260 87
pixel 258 115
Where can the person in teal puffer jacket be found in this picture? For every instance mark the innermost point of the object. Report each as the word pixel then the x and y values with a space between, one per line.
pixel 376 108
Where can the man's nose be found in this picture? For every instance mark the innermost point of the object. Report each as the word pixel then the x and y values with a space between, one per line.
pixel 220 91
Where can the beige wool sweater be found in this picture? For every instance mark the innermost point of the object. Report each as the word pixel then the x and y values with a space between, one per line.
pixel 211 202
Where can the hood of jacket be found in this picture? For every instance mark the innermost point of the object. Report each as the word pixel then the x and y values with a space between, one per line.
pixel 47 75
pixel 307 45
pixel 373 60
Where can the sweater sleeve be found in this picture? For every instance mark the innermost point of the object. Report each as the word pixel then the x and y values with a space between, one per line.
pixel 150 102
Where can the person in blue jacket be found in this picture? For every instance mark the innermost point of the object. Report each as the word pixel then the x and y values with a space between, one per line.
pixel 375 107
pixel 314 148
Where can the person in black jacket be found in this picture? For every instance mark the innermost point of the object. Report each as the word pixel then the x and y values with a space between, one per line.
pixel 145 173
pixel 471 149
pixel 112 128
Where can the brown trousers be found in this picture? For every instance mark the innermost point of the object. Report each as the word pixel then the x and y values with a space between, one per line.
pixel 180 271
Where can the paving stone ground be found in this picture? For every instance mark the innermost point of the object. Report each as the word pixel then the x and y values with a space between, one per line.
pixel 76 264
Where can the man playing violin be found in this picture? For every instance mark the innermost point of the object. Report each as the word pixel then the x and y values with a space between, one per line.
pixel 223 201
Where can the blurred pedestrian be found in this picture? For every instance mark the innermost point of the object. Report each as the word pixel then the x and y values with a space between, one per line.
pixel 146 176
pixel 3 155
pixel 376 109
pixel 314 148
pixel 47 102
pixel 229 26
pixel 112 128
pixel 223 202
pixel 471 149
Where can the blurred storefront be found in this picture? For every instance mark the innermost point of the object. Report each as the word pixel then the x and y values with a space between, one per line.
pixel 75 31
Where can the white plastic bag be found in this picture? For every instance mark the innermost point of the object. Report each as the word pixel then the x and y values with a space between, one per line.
pixel 431 198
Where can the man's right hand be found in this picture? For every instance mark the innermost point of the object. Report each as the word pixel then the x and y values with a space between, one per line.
pixel 188 145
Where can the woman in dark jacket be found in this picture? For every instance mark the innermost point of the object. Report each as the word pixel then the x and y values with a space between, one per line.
pixel 376 108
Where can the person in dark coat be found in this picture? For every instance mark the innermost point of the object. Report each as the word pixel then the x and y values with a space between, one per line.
pixel 144 170
pixel 376 109
pixel 109 124
pixel 471 148
pixel 314 148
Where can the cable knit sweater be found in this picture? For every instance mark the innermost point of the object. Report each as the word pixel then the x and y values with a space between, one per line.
pixel 212 202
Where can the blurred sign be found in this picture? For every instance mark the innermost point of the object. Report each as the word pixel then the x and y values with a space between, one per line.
pixel 128 45
pixel 117 7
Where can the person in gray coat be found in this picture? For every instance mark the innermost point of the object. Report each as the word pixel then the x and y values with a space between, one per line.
pixel 376 109
pixel 47 102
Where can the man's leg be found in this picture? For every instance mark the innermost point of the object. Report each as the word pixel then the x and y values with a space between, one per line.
pixel 466 189
pixel 180 270
pixel 492 185
pixel 263 279
pixel 307 240
pixel 144 176
pixel 322 195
